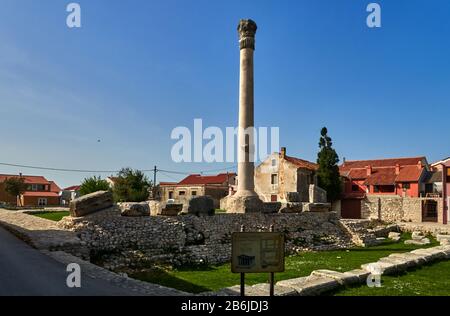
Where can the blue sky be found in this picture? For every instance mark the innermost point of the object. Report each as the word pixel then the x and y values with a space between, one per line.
pixel 137 69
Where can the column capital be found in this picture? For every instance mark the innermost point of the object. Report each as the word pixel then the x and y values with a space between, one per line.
pixel 247 30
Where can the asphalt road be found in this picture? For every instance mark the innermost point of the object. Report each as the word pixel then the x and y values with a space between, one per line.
pixel 26 271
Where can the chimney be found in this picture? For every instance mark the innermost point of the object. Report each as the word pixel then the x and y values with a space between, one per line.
pixel 369 170
pixel 283 152
pixel 397 169
pixel 20 174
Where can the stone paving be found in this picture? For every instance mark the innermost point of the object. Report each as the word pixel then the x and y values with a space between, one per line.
pixel 136 287
pixel 38 232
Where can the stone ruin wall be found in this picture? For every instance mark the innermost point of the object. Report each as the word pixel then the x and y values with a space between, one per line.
pixel 396 208
pixel 190 239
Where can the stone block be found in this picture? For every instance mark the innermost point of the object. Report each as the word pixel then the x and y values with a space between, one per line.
pixel 134 209
pixel 244 204
pixel 91 203
pixel 264 290
pixel 317 207
pixel 293 197
pixel 155 207
pixel 359 273
pixel 341 278
pixel 201 205
pixel 411 258
pixel 311 285
pixel 271 207
pixel 292 207
pixel 417 235
pixel 394 236
pixel 171 209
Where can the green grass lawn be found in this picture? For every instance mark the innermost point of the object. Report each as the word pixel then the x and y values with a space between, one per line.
pixel 427 280
pixel 199 279
pixel 54 216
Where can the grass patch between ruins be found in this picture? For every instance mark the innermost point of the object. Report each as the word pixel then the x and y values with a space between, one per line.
pixel 212 278
pixel 428 280
pixel 53 216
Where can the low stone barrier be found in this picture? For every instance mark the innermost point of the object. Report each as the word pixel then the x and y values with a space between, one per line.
pixel 322 281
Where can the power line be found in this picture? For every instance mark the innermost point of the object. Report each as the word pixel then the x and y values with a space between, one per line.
pixel 112 171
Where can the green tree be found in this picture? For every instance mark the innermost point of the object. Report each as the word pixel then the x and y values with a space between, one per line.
pixel 93 184
pixel 328 174
pixel 15 186
pixel 131 186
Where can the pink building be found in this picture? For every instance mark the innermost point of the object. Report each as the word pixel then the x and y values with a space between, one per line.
pixel 443 166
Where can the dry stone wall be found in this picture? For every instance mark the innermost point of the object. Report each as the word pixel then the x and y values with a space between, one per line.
pixel 190 239
pixel 395 208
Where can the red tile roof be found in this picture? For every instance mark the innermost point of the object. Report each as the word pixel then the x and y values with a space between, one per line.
pixel 302 163
pixel 54 187
pixel 27 179
pixel 409 174
pixel 381 163
pixel 73 188
pixel 384 170
pixel 168 183
pixel 197 179
pixel 382 176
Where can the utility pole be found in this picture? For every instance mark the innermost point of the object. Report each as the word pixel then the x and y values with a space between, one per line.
pixel 154 176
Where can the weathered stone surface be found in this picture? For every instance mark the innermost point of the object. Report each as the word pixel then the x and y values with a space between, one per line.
pixel 292 207
pixel 91 203
pixel 171 209
pixel 271 207
pixel 134 209
pixel 394 236
pixel 311 285
pixel 244 204
pixel 412 259
pixel 201 205
pixel 359 273
pixel 317 207
pixel 380 267
pixel 317 194
pixel 417 235
pixel 418 242
pixel 341 278
pixel 155 207
pixel 443 239
pixel 293 197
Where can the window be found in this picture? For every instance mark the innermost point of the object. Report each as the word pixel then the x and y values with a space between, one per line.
pixel 34 187
pixel 376 188
pixel 448 174
pixel 274 162
pixel 406 186
pixel 42 201
pixel 170 195
pixel 181 193
pixel 355 188
pixel 274 179
pixel 194 193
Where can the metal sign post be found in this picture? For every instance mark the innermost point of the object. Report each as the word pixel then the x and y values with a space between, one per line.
pixel 257 252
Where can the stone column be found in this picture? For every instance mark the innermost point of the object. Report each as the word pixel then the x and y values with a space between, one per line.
pixel 246 168
pixel 246 200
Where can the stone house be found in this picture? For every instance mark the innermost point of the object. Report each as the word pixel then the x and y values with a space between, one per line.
pixel 39 192
pixel 280 176
pixel 70 193
pixel 216 186
pixel 442 168
pixel 398 189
